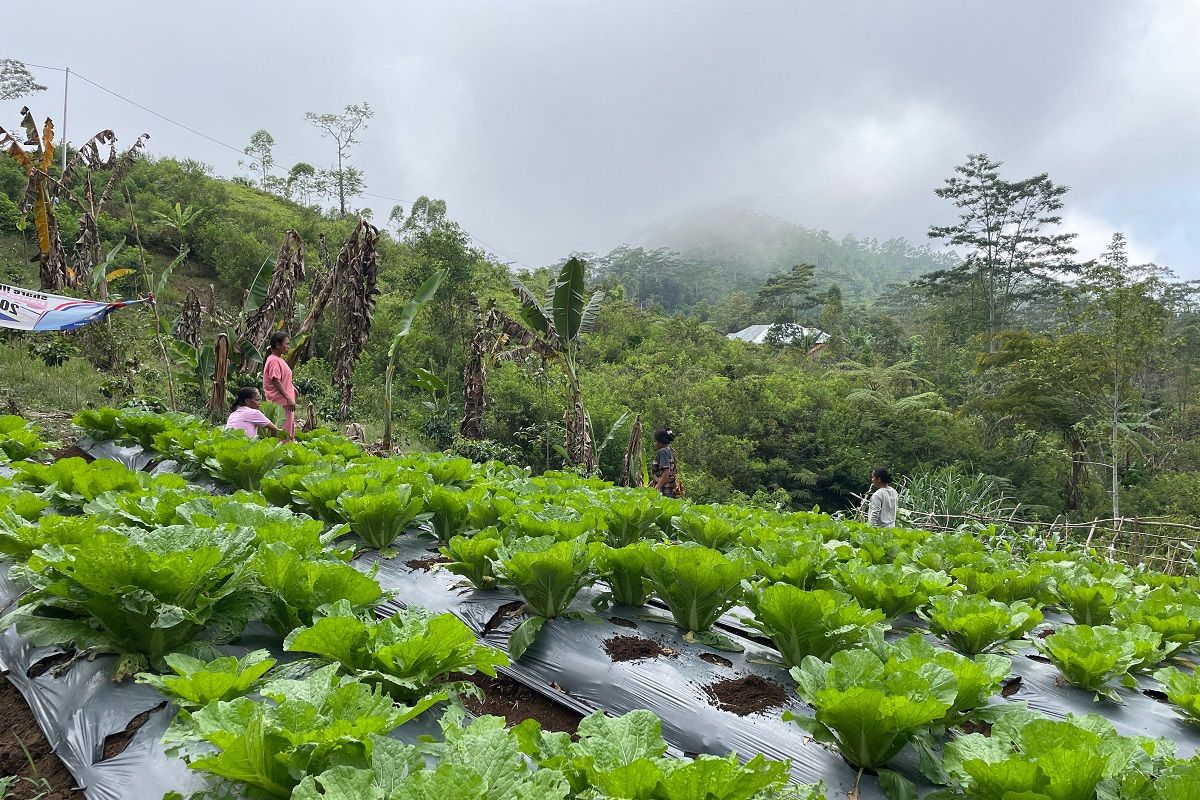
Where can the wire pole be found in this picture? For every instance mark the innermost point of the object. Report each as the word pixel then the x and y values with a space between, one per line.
pixel 66 86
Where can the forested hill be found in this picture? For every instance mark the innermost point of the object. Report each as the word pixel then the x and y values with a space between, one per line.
pixel 709 255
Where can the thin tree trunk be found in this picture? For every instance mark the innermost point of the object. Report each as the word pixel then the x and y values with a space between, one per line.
pixel 1116 497
pixel 162 347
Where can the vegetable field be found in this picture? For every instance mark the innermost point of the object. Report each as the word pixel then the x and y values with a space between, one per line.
pixel 300 620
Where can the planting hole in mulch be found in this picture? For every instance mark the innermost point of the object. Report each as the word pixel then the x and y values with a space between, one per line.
pixel 1044 633
pixel 515 702
pixel 1039 658
pixel 634 648
pixel 716 660
pixel 115 743
pixel 44 665
pixel 976 727
pixel 749 694
pixel 622 622
pixel 426 564
pixel 72 451
pixel 1011 687
pixel 48 778
pixel 502 613
pixel 1155 694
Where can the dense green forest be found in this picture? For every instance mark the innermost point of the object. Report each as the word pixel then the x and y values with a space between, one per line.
pixel 1056 375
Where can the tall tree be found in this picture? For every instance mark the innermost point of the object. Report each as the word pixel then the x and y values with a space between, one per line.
pixel 16 81
pixel 344 129
pixel 785 296
pixel 302 182
pixel 262 158
pixel 1008 231
pixel 1123 309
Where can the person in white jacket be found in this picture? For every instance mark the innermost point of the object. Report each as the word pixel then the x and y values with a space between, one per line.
pixel 882 510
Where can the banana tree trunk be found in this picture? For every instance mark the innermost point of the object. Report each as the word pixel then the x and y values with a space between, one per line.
pixel 631 467
pixel 474 374
pixel 580 447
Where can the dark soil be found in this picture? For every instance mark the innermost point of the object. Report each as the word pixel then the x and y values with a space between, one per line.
pixel 426 564
pixel 18 727
pixel 1011 687
pixel 976 727
pixel 502 613
pixel 716 660
pixel 749 694
pixel 42 666
pixel 1044 633
pixel 71 451
pixel 115 743
pixel 622 622
pixel 506 698
pixel 634 648
pixel 1155 694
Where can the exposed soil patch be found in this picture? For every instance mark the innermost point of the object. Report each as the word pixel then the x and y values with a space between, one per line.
pixel 502 613
pixel 426 564
pixel 1011 687
pixel 716 660
pixel 749 694
pixel 976 727
pixel 1044 633
pixel 115 743
pixel 506 698
pixel 71 451
pixel 42 666
pixel 17 727
pixel 622 622
pixel 634 648
pixel 1155 694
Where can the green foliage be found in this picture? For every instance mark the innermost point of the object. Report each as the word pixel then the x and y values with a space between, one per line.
pixel 1090 657
pixel 406 653
pixel 891 588
pixel 973 624
pixel 296 586
pixel 1183 690
pixel 697 584
pixel 1026 757
pixel 626 571
pixel 20 440
pixel 140 594
pixel 474 557
pixel 380 516
pixel 300 727
pixel 867 710
pixel 812 623
pixel 197 683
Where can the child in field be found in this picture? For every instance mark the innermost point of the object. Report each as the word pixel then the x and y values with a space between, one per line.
pixel 245 415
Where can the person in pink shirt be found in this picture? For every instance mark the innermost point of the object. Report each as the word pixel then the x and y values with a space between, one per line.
pixel 245 416
pixel 277 381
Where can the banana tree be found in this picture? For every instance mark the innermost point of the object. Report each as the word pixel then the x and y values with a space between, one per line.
pixel 557 324
pixel 403 326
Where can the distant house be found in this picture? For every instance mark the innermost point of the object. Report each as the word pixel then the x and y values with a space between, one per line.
pixel 784 333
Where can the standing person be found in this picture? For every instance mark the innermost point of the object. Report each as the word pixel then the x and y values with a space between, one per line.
pixel 664 469
pixel 277 381
pixel 246 416
pixel 882 511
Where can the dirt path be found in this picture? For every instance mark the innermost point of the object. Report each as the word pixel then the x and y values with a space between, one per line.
pixel 47 773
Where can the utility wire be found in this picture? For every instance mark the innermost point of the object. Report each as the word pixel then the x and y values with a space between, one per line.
pixel 240 151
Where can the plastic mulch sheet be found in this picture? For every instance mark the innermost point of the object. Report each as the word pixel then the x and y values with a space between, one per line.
pixel 132 456
pixel 568 663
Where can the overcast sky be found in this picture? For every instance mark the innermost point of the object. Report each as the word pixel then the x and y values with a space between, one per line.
pixel 557 126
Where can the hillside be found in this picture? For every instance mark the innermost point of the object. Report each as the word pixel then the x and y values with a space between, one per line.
pixel 743 248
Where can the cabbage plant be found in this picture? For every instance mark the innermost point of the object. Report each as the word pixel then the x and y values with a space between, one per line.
pixel 698 584
pixel 973 624
pixel 625 570
pixel 1090 657
pixel 381 514
pixel 548 575
pixel 473 557
pixel 816 623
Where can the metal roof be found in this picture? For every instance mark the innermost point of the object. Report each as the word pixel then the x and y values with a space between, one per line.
pixel 787 333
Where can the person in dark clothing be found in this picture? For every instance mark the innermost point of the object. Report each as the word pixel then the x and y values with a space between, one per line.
pixel 664 469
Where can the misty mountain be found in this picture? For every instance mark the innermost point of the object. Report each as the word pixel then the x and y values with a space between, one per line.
pixel 708 255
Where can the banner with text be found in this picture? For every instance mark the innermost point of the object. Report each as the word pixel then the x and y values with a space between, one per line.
pixel 27 310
